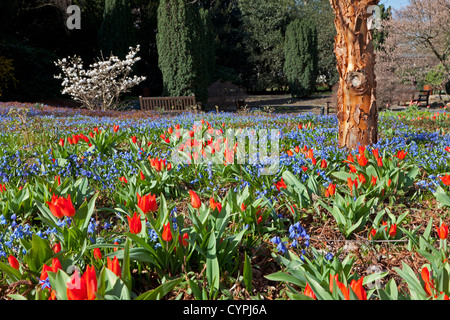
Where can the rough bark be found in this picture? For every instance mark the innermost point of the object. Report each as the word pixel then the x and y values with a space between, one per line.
pixel 356 104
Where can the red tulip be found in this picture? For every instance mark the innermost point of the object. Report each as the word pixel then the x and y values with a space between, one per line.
pixel 56 247
pixel 380 162
pixel 61 142
pixel 340 285
pixel 195 200
pixel 331 189
pixel 297 149
pixel 215 205
pixel 134 139
pixel 357 287
pixel 289 153
pixel 182 240
pixel 142 175
pixel 13 262
pixel 352 183
pixel 323 164
pixel 393 230
pixel 76 288
pixel 135 223
pixel 376 153
pixel 350 159
pixel 258 216
pixel 308 292
pixel 446 179
pixel 280 184
pixel 425 274
pixel 123 179
pixel 362 179
pixel 374 180
pixel 147 203
pixel 167 233
pixel 362 150
pixel 362 160
pixel 60 206
pixel 90 278
pixel 114 266
pixel 401 154
pixel 97 254
pixel 56 265
pixel 372 233
pixel 442 231
pixel 310 154
pixel 115 128
pixel 83 288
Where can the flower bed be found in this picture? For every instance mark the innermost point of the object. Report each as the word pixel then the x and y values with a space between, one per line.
pixel 94 206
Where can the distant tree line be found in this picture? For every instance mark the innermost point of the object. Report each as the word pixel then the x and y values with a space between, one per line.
pixel 259 45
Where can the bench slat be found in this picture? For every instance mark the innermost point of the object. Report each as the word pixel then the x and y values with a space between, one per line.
pixel 175 104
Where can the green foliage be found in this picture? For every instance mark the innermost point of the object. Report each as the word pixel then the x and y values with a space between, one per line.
pixel 182 41
pixel 437 76
pixel 264 24
pixel 301 58
pixel 116 33
pixel 323 15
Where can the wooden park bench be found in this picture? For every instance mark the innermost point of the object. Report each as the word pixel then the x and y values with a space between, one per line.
pixel 169 104
pixel 424 96
pixel 240 104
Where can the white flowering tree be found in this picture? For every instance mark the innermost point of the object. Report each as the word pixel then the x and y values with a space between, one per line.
pixel 99 87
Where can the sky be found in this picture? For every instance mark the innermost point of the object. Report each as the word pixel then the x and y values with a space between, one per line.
pixel 395 4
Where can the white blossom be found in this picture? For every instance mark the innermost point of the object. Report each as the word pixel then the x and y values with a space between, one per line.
pixel 99 87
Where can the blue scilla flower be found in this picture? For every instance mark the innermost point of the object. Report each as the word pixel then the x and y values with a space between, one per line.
pixel 3 220
pixel 275 240
pixel 152 234
pixel 329 256
pixel 45 283
pixel 281 247
pixel 91 226
pixel 280 244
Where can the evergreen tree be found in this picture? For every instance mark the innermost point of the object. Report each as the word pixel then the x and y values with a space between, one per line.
pixel 116 33
pixel 264 24
pixel 323 15
pixel 301 59
pixel 182 54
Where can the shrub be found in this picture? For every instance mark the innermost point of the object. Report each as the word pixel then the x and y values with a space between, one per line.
pixel 100 87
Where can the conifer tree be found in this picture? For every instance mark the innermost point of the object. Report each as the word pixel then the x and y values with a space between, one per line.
pixel 116 33
pixel 301 57
pixel 181 42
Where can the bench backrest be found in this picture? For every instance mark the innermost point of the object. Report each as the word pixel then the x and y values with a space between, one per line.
pixel 166 103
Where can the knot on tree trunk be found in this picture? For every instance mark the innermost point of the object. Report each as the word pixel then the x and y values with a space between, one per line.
pixel 357 81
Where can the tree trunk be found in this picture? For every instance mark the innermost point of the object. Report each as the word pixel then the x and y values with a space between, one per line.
pixel 356 104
